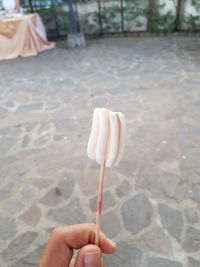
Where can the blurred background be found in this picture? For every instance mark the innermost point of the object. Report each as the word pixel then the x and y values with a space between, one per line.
pixel 143 58
pixel 97 17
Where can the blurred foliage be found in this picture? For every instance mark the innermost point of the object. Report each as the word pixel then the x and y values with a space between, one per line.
pixel 114 16
pixel 132 12
pixel 162 23
pixel 110 19
pixel 111 16
pixel 196 4
pixel 193 21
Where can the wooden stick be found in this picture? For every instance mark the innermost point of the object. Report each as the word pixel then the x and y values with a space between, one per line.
pixel 99 204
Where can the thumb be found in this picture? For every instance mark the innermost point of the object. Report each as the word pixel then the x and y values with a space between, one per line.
pixel 92 256
pixel 89 256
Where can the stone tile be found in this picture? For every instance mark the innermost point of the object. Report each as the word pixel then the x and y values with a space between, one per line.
pixel 193 262
pixel 65 125
pixel 14 131
pixel 44 128
pixel 31 216
pixel 20 97
pixel 172 220
pixel 170 166
pixel 126 254
pixel 85 179
pixel 149 81
pixel 41 182
pixel 161 262
pixel 19 244
pixel 192 158
pixel 29 108
pixel 191 215
pixel 59 137
pixel 123 189
pixel 9 104
pixel 46 165
pixel 110 224
pixel 13 206
pixel 89 180
pixel 123 89
pixel 108 201
pixel 32 258
pixel 111 177
pixel 28 193
pixel 167 186
pixel 3 112
pixel 166 153
pixel 69 214
pixel 135 220
pixel 192 239
pixel 7 228
pixel 42 140
pixel 156 240
pixel 17 176
pixel 61 192
pixel 99 101
pixel 6 190
pixel 161 184
pixel 193 183
pixel 6 143
pixel 126 167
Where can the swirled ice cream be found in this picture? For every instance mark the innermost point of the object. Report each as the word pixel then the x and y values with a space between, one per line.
pixel 107 138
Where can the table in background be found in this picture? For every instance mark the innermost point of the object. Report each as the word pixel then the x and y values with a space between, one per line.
pixel 23 36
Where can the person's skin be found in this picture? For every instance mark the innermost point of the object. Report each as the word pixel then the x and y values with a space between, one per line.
pixel 64 239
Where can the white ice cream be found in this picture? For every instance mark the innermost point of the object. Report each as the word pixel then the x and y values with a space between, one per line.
pixel 107 138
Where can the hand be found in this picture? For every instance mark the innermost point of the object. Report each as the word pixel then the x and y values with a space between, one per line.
pixel 59 249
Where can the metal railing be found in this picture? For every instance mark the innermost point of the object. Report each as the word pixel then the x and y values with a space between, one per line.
pixel 99 17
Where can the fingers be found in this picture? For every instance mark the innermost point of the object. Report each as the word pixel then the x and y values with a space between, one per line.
pixel 59 249
pixel 89 256
pixel 72 263
pixel 103 262
pixel 77 236
pixel 106 245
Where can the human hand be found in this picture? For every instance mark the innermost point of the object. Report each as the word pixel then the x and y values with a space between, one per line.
pixel 59 249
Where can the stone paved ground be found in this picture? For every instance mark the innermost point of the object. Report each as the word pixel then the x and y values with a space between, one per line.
pixel 152 199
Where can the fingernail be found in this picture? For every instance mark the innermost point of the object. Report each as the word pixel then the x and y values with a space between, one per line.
pixel 112 242
pixel 92 260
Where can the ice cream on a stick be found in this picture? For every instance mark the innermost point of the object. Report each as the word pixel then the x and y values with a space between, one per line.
pixel 105 145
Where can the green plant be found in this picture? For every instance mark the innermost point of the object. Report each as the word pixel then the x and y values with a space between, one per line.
pixel 132 11
pixel 55 20
pixel 162 22
pixel 196 4
pixel 47 15
pixel 92 22
pixel 111 18
pixel 193 21
pixel 62 20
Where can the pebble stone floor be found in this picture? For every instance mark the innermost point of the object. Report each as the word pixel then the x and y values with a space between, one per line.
pixel 152 199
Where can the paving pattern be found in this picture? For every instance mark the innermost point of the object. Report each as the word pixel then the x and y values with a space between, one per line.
pixel 152 199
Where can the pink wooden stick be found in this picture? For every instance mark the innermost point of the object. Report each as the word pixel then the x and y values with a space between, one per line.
pixel 100 201
pixel 99 204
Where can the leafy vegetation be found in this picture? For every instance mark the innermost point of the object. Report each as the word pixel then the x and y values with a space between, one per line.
pixel 193 21
pixel 118 16
pixel 162 23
